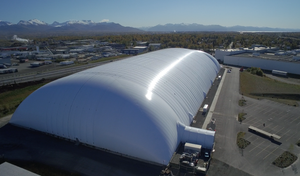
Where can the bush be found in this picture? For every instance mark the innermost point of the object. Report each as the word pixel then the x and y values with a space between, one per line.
pixel 241 142
pixel 285 159
pixel 241 116
pixel 242 102
pixel 255 71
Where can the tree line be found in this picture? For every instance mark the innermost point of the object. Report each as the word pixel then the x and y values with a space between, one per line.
pixel 200 40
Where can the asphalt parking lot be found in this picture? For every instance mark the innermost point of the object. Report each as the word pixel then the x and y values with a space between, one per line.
pixel 257 158
pixel 279 119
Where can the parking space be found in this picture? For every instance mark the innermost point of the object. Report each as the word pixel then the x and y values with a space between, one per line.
pixel 270 116
pixel 279 119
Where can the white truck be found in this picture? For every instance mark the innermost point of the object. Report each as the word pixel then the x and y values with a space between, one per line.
pixel 205 108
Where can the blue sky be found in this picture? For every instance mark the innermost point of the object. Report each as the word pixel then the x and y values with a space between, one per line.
pixel 142 13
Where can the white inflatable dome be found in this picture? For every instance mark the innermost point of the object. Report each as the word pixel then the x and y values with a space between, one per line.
pixel 140 107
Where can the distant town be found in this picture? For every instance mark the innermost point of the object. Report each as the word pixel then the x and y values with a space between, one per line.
pixel 20 54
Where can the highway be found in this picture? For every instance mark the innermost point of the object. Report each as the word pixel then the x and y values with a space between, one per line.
pixel 21 78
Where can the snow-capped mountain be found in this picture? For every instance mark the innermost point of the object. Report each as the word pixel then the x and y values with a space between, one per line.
pixel 83 22
pixel 5 23
pixel 34 22
pixel 76 22
pixel 199 27
pixel 38 27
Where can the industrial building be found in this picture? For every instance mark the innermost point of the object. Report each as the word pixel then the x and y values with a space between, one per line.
pixel 140 107
pixel 287 61
pixel 265 62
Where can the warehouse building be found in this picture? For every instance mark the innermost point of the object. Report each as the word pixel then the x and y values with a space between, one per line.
pixel 265 61
pixel 140 107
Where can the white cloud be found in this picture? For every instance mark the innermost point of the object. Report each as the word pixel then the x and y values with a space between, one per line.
pixel 105 20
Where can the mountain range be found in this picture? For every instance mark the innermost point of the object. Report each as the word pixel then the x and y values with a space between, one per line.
pixel 199 27
pixel 36 26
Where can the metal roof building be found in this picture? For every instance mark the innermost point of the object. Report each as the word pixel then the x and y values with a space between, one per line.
pixel 140 107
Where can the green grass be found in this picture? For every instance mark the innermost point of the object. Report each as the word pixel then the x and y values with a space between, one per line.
pixel 10 100
pixel 263 87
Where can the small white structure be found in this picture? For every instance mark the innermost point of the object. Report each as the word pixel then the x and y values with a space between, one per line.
pixel 278 72
pixel 192 148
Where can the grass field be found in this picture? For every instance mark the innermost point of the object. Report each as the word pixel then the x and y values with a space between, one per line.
pixel 10 100
pixel 263 87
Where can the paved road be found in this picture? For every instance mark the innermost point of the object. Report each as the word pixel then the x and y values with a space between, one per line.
pixel 57 71
pixel 227 126
pixel 47 74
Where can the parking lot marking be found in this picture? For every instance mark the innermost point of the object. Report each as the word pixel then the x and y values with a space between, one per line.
pixel 250 137
pixel 262 150
pixel 259 112
pixel 250 106
pixel 268 111
pixel 283 116
pixel 275 127
pixel 256 147
pixel 290 137
pixel 285 133
pixel 270 153
pixel 253 120
pixel 298 123
pixel 294 120
pixel 280 130
pixel 258 122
